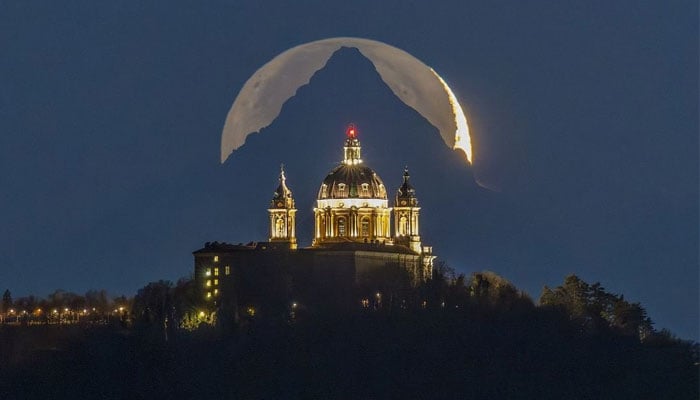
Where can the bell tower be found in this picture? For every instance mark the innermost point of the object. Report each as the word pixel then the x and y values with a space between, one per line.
pixel 282 214
pixel 406 215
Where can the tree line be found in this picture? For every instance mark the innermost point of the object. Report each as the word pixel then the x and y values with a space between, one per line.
pixel 455 336
pixel 63 306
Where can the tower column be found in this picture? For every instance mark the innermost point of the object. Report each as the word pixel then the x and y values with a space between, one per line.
pixel 282 214
pixel 406 215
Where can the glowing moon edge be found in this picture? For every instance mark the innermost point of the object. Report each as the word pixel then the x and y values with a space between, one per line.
pixel 389 61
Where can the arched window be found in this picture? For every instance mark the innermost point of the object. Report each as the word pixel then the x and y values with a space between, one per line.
pixel 364 227
pixel 341 189
pixel 341 226
pixel 403 225
pixel 279 227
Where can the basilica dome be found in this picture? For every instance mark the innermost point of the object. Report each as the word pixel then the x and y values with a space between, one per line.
pixel 352 203
pixel 348 181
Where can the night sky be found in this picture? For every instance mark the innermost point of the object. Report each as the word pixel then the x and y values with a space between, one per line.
pixel 584 120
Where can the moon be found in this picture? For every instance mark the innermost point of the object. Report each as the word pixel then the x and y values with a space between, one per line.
pixel 260 100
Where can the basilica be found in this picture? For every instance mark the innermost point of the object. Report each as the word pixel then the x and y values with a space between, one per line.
pixel 357 256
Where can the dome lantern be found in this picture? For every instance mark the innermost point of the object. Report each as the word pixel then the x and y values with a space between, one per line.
pixel 352 149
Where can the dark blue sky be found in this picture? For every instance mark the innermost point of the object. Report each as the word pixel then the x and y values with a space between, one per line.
pixel 585 114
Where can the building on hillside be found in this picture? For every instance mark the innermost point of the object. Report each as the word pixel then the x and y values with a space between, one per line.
pixel 356 257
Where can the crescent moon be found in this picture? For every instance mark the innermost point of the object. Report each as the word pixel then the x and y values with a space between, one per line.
pixel 260 100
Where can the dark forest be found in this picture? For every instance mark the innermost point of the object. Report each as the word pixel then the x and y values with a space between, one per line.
pixel 475 337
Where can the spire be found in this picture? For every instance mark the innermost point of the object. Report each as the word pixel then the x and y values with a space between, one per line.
pixel 283 195
pixel 352 147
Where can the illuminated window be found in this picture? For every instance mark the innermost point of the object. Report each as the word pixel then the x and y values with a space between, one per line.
pixel 341 189
pixel 227 270
pixel 216 292
pixel 341 226
pixel 208 272
pixel 208 282
pixel 364 227
pixel 208 295
pixel 216 271
pixel 216 282
pixel 365 303
pixel 365 190
pixel 216 258
pixel 324 191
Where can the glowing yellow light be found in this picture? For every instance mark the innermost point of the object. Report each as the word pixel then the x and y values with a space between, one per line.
pixel 216 258
pixel 208 294
pixel 84 310
pixel 201 314
pixel 379 294
pixel 12 311
pixel 121 309
pixel 208 272
pixel 251 311
pixel 208 282
pixel 227 270
pixel 55 311
pixel 65 309
pixel 294 305
pixel 462 138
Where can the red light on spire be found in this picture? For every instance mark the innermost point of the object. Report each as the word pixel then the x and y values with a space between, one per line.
pixel 351 132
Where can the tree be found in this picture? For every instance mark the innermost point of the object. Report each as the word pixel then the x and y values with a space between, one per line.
pixel 187 303
pixel 593 308
pixel 6 301
pixel 491 288
pixel 98 300
pixel 153 307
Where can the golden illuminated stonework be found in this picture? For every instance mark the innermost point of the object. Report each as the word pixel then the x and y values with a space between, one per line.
pixel 282 214
pixel 354 246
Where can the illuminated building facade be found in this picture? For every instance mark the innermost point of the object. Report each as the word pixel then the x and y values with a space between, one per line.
pixel 355 258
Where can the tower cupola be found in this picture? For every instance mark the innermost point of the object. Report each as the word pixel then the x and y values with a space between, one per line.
pixel 282 198
pixel 406 195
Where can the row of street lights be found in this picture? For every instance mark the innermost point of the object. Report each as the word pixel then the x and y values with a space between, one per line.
pixel 56 315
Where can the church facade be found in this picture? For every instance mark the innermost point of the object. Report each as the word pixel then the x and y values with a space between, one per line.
pixel 357 256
